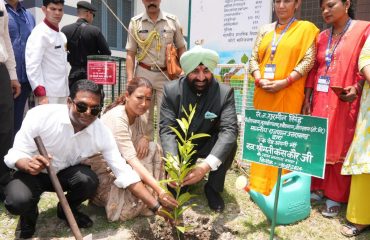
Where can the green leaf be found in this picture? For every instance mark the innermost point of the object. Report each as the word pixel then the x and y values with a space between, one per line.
pixel 183 109
pixel 168 214
pixel 184 173
pixel 231 61
pixel 178 134
pixel 185 197
pixel 173 174
pixel 186 208
pixel 198 135
pixel 186 124
pixel 181 229
pixel 166 181
pixel 182 126
pixel 192 112
pixel 244 59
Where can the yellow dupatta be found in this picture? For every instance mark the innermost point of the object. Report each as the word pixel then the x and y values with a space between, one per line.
pixel 290 51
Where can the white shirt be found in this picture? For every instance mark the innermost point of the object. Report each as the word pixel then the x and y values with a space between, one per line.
pixel 52 123
pixel 46 60
pixel 6 49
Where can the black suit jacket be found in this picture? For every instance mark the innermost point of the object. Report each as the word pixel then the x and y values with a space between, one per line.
pixel 215 115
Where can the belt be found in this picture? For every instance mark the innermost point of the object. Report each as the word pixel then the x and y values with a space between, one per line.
pixel 152 68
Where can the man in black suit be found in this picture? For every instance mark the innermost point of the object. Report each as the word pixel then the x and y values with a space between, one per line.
pixel 83 39
pixel 215 115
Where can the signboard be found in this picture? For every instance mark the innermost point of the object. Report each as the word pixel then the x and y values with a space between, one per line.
pixel 291 141
pixel 228 26
pixel 101 72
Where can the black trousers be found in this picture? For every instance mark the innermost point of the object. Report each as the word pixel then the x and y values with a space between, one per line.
pixel 6 122
pixel 216 179
pixel 23 192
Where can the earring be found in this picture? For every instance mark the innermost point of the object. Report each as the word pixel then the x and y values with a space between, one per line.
pixel 346 10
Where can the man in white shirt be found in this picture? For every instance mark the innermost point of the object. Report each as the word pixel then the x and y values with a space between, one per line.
pixel 9 89
pixel 46 56
pixel 70 133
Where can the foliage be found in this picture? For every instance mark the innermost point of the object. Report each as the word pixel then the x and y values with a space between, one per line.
pixel 177 167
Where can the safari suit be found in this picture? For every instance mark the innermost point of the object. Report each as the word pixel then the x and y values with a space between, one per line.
pixel 170 31
pixel 215 115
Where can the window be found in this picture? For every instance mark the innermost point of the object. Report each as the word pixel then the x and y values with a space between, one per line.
pixel 113 31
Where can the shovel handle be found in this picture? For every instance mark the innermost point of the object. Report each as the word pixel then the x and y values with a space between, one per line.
pixel 58 189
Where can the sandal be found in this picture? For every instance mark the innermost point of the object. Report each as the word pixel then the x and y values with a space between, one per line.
pixel 332 209
pixel 354 230
pixel 317 198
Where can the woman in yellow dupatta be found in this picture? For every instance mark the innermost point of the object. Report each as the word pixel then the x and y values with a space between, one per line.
pixel 283 54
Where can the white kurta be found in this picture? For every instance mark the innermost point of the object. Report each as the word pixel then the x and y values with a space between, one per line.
pixel 46 60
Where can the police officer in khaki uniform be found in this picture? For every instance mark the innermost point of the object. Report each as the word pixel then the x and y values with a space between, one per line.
pixel 151 31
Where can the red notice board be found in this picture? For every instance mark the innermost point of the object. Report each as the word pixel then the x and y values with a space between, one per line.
pixel 101 72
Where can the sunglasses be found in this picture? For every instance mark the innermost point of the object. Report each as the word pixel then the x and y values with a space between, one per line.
pixel 82 108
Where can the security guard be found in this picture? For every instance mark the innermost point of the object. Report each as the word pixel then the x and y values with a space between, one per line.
pixel 83 39
pixel 150 32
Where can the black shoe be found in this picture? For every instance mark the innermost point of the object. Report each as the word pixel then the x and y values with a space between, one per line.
pixel 215 201
pixel 83 221
pixel 27 224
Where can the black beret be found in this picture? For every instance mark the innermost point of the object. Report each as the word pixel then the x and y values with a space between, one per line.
pixel 86 5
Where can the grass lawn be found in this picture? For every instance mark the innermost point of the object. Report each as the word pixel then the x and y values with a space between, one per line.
pixel 242 219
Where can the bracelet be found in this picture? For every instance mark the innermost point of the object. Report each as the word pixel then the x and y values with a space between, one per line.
pixel 155 208
pixel 290 80
pixel 257 82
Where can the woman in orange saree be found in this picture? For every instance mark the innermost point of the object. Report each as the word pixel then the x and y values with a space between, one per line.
pixel 283 54
pixel 336 84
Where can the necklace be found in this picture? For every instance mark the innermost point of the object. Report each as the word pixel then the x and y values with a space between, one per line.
pixel 338 34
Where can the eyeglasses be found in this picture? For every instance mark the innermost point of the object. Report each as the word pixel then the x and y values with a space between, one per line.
pixel 92 13
pixel 82 108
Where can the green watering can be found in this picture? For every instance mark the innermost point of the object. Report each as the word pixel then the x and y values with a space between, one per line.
pixel 294 199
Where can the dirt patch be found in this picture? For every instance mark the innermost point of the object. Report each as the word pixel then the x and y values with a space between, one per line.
pixel 203 227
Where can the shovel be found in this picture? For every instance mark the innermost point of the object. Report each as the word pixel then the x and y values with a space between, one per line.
pixel 58 189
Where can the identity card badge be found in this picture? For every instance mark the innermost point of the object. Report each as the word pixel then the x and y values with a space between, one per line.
pixel 269 71
pixel 323 84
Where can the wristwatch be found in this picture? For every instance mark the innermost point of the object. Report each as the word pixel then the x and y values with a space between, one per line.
pixel 155 208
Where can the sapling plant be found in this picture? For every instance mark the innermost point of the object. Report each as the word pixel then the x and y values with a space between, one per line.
pixel 178 166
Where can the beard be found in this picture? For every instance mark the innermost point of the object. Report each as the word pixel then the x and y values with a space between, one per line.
pixel 199 86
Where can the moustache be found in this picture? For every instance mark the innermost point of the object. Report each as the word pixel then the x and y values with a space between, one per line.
pixel 152 5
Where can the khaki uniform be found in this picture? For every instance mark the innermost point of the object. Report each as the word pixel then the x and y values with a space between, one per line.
pixel 169 29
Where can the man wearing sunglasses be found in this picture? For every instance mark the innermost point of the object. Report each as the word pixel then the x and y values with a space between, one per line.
pixel 83 39
pixel 71 133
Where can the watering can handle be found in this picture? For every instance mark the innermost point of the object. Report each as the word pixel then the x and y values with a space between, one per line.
pixel 290 175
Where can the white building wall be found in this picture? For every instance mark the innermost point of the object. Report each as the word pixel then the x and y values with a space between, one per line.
pixel 178 7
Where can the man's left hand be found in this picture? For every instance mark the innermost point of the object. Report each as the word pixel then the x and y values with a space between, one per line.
pixel 16 88
pixel 196 174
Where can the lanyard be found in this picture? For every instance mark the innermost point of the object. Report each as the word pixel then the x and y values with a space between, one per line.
pixel 275 43
pixel 329 54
